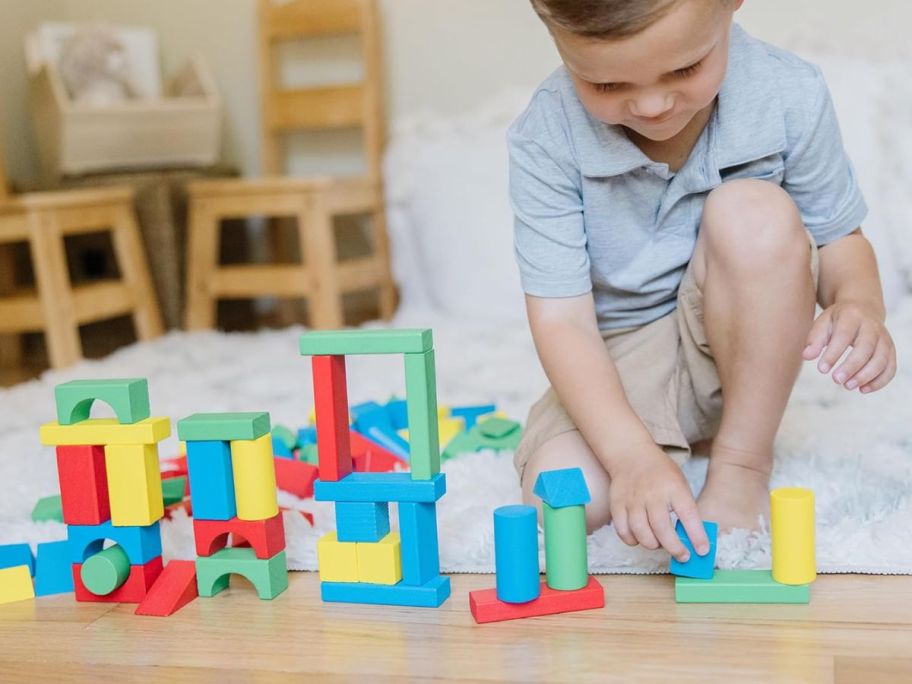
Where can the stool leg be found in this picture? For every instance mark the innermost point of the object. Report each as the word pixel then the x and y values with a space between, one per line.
pixel 202 258
pixel 381 251
pixel 10 344
pixel 319 246
pixel 131 259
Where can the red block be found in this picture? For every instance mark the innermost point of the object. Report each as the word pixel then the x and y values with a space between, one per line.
pixel 134 590
pixel 174 589
pixel 304 514
pixel 368 457
pixel 174 467
pixel 267 537
pixel 295 477
pixel 83 485
pixel 486 607
pixel 331 401
pixel 170 510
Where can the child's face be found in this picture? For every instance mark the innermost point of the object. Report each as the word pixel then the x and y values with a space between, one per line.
pixel 655 81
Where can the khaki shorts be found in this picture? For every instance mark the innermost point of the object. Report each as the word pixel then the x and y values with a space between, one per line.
pixel 668 373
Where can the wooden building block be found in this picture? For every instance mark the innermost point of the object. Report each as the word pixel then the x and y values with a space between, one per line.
pixel 134 484
pixel 174 589
pixel 380 562
pixel 106 571
pixel 739 586
pixel 83 485
pixel 211 479
pixel 337 561
pixel 128 397
pixel 253 466
pixel 398 487
pixel 13 555
pixel 359 521
pixel 266 537
pixel 53 569
pixel 50 508
pixel 269 577
pixel 370 457
pixel 225 427
pixel 350 342
pixel 566 555
pixel 418 533
pixel 486 607
pixel 16 584
pixel 105 431
pixel 471 414
pixel 699 567
pixel 142 544
pixel 331 404
pixel 296 477
pixel 421 395
pixel 174 489
pixel 134 590
pixel 560 488
pixel 430 595
pixel 516 554
pixel 792 533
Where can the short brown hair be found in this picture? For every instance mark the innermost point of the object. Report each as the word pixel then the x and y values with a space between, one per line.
pixel 602 18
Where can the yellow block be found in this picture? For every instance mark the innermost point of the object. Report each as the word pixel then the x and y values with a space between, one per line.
pixel 793 540
pixel 105 431
pixel 337 561
pixel 447 429
pixel 254 478
pixel 16 584
pixel 380 562
pixel 134 484
pixel 443 412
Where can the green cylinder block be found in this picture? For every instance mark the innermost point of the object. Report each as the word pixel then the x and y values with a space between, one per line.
pixel 106 571
pixel 566 559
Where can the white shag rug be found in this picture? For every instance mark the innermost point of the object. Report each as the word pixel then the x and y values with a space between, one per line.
pixel 854 451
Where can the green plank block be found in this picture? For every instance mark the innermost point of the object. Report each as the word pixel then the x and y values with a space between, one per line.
pixel 129 397
pixel 739 586
pixel 173 490
pixel 48 509
pixel 421 397
pixel 566 556
pixel 223 426
pixel 345 342
pixel 268 576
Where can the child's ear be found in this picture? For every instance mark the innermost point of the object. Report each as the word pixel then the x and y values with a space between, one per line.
pixel 738 4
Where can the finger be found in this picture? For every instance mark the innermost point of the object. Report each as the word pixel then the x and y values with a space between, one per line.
pixel 660 521
pixel 877 364
pixel 844 333
pixel 862 351
pixel 621 526
pixel 686 509
pixel 818 336
pixel 639 525
pixel 881 380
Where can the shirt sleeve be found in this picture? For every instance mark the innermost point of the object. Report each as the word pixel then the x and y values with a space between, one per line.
pixel 819 175
pixel 549 232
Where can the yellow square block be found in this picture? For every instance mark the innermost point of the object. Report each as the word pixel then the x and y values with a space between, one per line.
pixel 103 431
pixel 380 562
pixel 337 561
pixel 134 484
pixel 16 584
pixel 253 469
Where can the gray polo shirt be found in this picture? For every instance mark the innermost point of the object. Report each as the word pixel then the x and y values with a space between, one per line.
pixel 592 212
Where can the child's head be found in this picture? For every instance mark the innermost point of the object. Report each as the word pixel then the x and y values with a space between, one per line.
pixel 648 65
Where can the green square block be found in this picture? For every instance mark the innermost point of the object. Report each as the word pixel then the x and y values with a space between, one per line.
pixel 225 427
pixel 739 586
pixel 421 398
pixel 269 576
pixel 498 428
pixel 129 397
pixel 173 490
pixel 48 509
pixel 346 342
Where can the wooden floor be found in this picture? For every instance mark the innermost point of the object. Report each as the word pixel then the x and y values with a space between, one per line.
pixel 856 629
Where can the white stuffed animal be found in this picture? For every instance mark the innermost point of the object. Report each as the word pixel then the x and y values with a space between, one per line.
pixel 95 68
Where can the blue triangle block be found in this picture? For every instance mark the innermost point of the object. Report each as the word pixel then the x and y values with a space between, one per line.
pixel 562 488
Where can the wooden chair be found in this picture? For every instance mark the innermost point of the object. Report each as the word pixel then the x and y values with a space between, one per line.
pixel 314 202
pixel 55 306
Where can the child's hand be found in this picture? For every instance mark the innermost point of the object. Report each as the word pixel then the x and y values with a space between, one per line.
pixel 872 361
pixel 646 486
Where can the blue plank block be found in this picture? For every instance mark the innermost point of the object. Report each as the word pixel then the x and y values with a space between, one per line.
pixel 516 554
pixel 359 521
pixel 698 567
pixel 142 544
pixel 307 435
pixel 280 449
pixel 373 421
pixel 53 569
pixel 562 488
pixel 364 408
pixel 211 480
pixel 397 410
pixel 399 487
pixel 418 540
pixel 430 595
pixel 471 414
pixel 14 555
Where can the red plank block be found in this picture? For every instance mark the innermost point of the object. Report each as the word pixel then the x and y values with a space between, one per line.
pixel 368 457
pixel 295 477
pixel 331 402
pixel 134 590
pixel 267 537
pixel 83 485
pixel 486 607
pixel 174 589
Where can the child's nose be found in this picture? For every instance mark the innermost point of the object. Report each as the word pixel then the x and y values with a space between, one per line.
pixel 651 106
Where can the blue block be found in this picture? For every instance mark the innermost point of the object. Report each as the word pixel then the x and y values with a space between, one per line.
pixel 377 487
pixel 14 555
pixel 397 410
pixel 366 407
pixel 54 569
pixel 280 449
pixel 418 543
pixel 211 480
pixel 516 554
pixel 698 567
pixel 431 595
pixel 358 521
pixel 471 414
pixel 142 544
pixel 307 435
pixel 375 424
pixel 562 488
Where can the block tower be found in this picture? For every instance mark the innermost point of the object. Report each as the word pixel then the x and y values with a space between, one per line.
pixel 233 492
pixel 110 487
pixel 568 586
pixel 363 561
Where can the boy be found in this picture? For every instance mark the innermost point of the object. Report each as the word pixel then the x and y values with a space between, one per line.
pixel 681 200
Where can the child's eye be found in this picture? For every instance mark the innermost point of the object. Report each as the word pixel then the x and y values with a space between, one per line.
pixel 688 71
pixel 606 87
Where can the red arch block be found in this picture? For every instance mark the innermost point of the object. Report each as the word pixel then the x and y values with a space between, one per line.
pixel 267 537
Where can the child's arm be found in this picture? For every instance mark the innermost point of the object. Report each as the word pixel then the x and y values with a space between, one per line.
pixel 854 313
pixel 645 484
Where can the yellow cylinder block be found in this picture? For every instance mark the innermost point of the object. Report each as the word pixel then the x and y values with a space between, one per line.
pixel 793 540
pixel 254 478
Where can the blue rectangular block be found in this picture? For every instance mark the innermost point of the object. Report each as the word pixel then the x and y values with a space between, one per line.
pixel 418 539
pixel 142 544
pixel 280 449
pixel 698 567
pixel 397 410
pixel 358 521
pixel 431 595
pixel 211 480
pixel 307 435
pixel 54 569
pixel 14 555
pixel 399 487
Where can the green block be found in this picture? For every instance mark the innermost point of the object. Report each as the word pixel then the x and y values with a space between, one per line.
pixel 463 443
pixel 308 454
pixel 268 576
pixel 48 509
pixel 509 440
pixel 739 586
pixel 285 436
pixel 225 427
pixel 105 571
pixel 498 428
pixel 566 558
pixel 421 397
pixel 346 342
pixel 128 397
pixel 173 490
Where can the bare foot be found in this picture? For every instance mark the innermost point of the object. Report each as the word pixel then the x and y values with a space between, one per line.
pixel 734 496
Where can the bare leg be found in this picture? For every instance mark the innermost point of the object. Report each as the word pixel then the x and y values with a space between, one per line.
pixel 752 265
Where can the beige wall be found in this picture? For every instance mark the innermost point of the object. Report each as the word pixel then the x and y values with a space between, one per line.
pixel 443 55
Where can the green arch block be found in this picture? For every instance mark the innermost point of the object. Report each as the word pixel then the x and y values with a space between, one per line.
pixel 129 397
pixel 269 576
